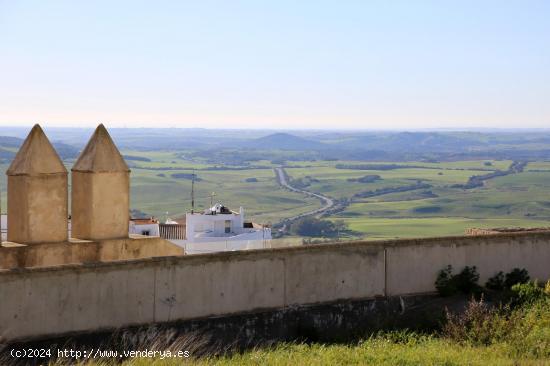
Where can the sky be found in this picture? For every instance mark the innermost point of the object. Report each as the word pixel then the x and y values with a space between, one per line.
pixel 276 64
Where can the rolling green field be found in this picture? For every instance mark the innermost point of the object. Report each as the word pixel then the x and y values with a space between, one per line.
pixel 161 187
pixel 515 200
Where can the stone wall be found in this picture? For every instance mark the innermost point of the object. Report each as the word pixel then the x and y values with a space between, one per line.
pixel 77 251
pixel 90 297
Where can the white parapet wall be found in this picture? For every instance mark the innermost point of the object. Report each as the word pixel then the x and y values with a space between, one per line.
pixel 74 298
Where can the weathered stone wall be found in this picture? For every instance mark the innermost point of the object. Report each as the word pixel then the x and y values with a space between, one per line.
pixel 65 299
pixel 100 192
pixel 75 251
pixel 412 268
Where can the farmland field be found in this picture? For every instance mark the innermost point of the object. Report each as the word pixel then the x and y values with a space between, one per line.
pixel 437 208
pixel 422 192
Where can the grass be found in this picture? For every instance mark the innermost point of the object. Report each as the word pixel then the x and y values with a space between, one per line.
pixel 479 335
pixel 378 351
pixel 156 192
pixel 387 228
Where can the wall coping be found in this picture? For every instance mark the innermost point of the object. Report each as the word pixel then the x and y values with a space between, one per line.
pixel 272 253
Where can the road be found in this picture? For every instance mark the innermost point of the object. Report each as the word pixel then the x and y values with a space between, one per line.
pixel 327 202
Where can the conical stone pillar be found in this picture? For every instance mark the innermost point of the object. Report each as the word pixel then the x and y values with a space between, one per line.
pixel 37 193
pixel 100 190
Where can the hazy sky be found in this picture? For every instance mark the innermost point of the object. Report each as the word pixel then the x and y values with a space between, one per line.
pixel 276 64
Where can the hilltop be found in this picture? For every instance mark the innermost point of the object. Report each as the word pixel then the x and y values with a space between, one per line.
pixel 9 146
pixel 283 141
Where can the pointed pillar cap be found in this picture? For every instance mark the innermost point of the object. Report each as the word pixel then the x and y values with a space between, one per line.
pixel 100 155
pixel 36 156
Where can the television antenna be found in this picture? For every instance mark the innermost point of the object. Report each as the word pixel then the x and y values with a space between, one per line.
pixel 193 192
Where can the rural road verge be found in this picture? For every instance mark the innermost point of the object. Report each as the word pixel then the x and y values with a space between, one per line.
pixel 327 202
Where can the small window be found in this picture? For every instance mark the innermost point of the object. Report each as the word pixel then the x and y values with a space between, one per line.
pixel 227 226
pixel 146 232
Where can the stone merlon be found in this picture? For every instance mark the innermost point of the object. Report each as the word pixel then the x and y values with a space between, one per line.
pixel 100 155
pixel 100 190
pixel 37 193
pixel 36 156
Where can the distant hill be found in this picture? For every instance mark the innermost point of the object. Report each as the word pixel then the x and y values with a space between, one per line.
pixel 10 141
pixel 432 141
pixel 415 142
pixel 282 141
pixel 66 151
pixel 9 146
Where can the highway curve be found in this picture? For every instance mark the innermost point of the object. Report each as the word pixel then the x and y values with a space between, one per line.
pixel 327 202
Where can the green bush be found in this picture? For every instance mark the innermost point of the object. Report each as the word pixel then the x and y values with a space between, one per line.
pixel 444 283
pixel 520 332
pixel 496 282
pixel 466 280
pixel 479 325
pixel 311 226
pixel 528 293
pixel 448 284
pixel 516 276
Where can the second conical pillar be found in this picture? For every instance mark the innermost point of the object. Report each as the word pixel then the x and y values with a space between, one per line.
pixel 100 193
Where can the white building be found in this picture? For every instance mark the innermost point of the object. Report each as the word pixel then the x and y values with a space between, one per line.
pixel 218 229
pixel 148 227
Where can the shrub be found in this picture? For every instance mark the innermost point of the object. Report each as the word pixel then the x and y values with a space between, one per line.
pixel 444 282
pixel 528 293
pixel 530 336
pixel 496 282
pixel 310 226
pixel 516 276
pixel 479 324
pixel 466 281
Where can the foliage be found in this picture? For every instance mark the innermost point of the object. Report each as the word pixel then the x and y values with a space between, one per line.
pixel 135 158
pixel 366 179
pixel 310 226
pixel 189 176
pixel 387 190
pixel 529 292
pixel 516 276
pixel 465 282
pixel 481 335
pixel 496 282
pixel 444 282
pixel 478 325
pixel 521 332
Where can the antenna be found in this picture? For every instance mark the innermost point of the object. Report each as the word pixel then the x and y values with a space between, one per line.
pixel 212 198
pixel 193 192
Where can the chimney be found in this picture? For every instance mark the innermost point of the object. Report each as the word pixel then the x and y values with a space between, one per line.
pixel 100 190
pixel 37 193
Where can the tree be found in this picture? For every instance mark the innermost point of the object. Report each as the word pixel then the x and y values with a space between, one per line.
pixel 310 226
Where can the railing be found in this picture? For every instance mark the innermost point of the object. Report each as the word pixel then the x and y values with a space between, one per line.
pixel 172 231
